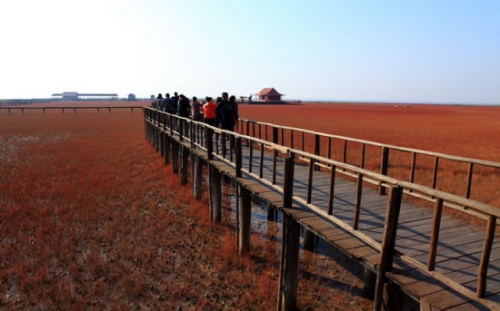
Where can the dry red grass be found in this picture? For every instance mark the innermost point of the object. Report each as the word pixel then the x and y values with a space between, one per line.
pixel 468 131
pixel 90 218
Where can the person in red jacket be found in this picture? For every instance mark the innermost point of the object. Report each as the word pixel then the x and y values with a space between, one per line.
pixel 209 111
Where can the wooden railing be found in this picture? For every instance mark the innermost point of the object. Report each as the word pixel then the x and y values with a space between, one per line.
pixel 203 137
pixel 66 108
pixel 408 164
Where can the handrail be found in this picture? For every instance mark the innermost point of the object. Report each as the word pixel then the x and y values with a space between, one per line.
pixel 368 142
pixel 174 125
pixel 430 192
pixel 428 167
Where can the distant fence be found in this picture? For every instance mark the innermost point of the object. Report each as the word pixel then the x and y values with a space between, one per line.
pixel 16 102
pixel 10 110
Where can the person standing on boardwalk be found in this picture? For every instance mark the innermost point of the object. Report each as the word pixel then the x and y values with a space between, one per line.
pixel 226 114
pixel 157 103
pixel 172 108
pixel 166 102
pixel 209 111
pixel 233 102
pixel 196 113
pixel 183 108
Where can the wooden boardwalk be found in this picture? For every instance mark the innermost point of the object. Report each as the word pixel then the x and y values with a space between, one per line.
pixel 436 258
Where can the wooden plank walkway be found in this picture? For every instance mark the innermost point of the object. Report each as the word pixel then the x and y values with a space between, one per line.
pixel 460 244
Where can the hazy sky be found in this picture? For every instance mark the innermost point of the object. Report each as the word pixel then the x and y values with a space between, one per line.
pixel 438 51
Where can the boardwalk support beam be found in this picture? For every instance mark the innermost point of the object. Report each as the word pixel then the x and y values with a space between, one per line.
pixel 184 165
pixel 369 278
pixel 245 214
pixel 197 171
pixel 287 296
pixel 175 157
pixel 215 194
pixel 309 239
pixel 272 212
pixel 167 146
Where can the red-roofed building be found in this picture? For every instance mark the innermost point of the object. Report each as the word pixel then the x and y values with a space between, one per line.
pixel 269 94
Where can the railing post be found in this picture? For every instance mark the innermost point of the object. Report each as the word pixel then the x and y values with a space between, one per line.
pixel 248 132
pixel 275 135
pixel 209 135
pixel 181 129
pixel 302 141
pixel 357 208
pixel 288 283
pixel 469 180
pixel 435 172
pixel 288 176
pixel 344 152
pixel 438 208
pixel 145 116
pixel 310 180
pixel 316 144
pixel 413 166
pixel 317 148
pixel 223 143
pixel 384 165
pixel 363 150
pixel 388 242
pixel 331 191
pixel 238 156
pixel 275 159
pixel 485 258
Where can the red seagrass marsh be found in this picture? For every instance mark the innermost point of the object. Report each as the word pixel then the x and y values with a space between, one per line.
pixel 92 219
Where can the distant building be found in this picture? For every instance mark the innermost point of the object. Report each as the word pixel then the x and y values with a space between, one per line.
pixel 70 96
pixel 269 94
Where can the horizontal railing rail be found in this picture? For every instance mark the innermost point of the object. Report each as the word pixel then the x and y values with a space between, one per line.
pixel 204 137
pixel 470 176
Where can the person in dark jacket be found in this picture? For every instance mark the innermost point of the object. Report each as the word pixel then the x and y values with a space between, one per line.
pixel 226 114
pixel 183 107
pixel 172 107
pixel 166 102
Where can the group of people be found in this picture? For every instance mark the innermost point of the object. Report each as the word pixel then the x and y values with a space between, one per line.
pixel 222 113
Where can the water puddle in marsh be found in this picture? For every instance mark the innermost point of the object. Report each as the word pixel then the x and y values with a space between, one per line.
pixel 326 276
pixel 328 280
